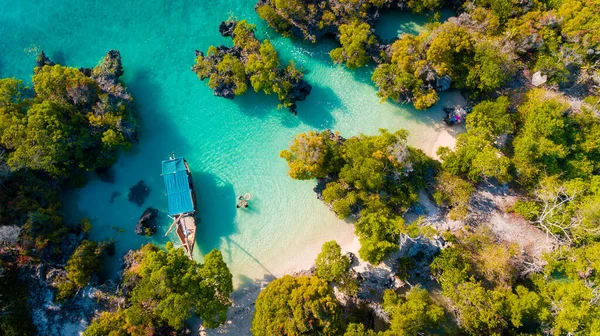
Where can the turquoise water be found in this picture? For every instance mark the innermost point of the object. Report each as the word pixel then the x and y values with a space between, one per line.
pixel 395 22
pixel 232 146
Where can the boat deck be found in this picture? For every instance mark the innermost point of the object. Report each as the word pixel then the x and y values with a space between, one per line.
pixel 186 231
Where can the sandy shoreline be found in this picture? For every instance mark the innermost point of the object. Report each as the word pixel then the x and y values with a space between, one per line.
pixel 239 316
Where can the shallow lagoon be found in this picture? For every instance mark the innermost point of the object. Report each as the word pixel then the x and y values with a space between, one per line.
pixel 232 146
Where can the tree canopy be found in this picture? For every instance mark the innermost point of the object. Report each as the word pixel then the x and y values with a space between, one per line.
pixel 167 288
pixel 297 306
pixel 373 178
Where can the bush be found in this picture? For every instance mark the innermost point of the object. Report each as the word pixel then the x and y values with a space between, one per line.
pixel 297 306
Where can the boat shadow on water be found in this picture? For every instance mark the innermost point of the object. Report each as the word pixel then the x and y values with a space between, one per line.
pixel 216 211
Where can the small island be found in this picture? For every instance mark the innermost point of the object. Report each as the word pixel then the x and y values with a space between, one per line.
pixel 231 70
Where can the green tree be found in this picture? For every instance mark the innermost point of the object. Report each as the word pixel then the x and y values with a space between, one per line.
pixel 83 263
pixel 355 39
pixel 168 288
pixel 422 6
pixel 451 51
pixel 379 235
pixel 404 77
pixel 412 314
pixel 455 193
pixel 490 70
pixel 64 85
pixel 540 145
pixel 297 306
pixel 358 329
pixel 331 264
pixel 312 155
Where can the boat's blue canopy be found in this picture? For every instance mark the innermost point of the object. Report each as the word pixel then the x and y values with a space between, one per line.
pixel 177 185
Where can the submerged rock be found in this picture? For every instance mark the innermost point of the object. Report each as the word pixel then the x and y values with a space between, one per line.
pixel 146 225
pixel 138 193
pixel 114 195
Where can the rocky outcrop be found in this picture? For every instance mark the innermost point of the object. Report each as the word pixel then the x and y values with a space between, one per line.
pixel 108 96
pixel 300 90
pixel 138 193
pixel 146 225
pixel 226 28
pixel 43 60
pixel 289 84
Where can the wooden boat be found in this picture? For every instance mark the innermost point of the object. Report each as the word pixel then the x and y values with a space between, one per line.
pixel 181 198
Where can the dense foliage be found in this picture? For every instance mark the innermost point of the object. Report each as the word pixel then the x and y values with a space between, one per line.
pixel 14 311
pixel 311 20
pixel 412 314
pixel 334 267
pixel 165 289
pixel 478 52
pixel 355 40
pixel 71 121
pixel 74 122
pixel 480 276
pixel 81 266
pixel 372 178
pixel 230 71
pixel 297 306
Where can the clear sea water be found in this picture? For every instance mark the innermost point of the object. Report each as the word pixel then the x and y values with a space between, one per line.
pixel 232 146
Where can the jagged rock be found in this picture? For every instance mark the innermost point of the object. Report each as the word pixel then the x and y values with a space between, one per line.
pixel 538 79
pixel 129 130
pixel 353 259
pixel 226 28
pixel 146 225
pixel 225 91
pixel 86 71
pixel 109 70
pixel 138 193
pixel 301 90
pixel 43 60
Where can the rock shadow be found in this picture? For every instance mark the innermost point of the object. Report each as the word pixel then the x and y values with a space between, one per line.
pixel 216 211
pixel 316 110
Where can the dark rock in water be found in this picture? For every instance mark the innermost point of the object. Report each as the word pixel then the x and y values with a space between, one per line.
pixel 138 193
pixel 114 195
pixel 42 60
pixel 226 28
pixel 300 91
pixel 147 223
pixel 106 174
